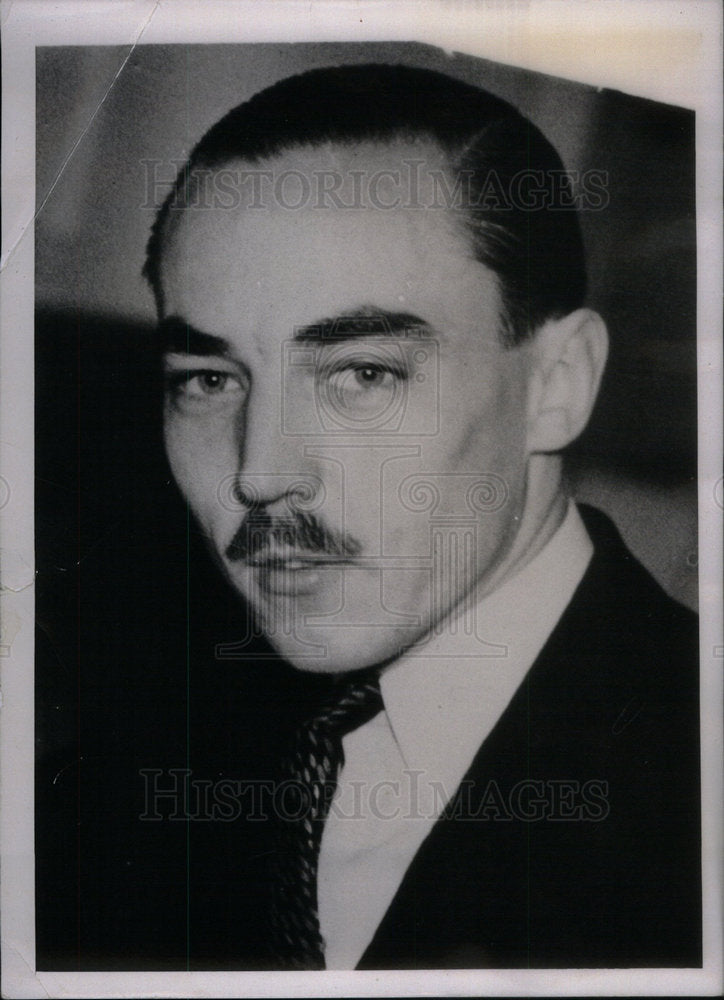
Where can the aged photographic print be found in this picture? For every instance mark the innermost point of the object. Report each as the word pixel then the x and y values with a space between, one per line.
pixel 375 348
pixel 366 514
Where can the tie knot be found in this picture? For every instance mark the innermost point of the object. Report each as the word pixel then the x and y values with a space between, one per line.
pixel 353 704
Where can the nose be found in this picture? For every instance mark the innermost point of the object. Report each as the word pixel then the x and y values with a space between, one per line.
pixel 273 470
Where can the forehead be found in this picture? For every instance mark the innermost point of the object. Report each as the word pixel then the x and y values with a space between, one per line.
pixel 258 261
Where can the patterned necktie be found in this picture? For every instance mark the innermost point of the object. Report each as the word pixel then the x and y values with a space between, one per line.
pixel 310 774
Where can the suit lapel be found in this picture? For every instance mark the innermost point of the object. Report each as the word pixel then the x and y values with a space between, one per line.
pixel 485 888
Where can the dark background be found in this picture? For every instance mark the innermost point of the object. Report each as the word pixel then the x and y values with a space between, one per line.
pixel 130 611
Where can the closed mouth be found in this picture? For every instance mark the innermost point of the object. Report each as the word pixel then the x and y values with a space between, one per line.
pixel 293 561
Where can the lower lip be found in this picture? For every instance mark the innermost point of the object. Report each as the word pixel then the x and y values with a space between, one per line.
pixel 293 578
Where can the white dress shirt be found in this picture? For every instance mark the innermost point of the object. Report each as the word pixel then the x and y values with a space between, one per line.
pixel 441 701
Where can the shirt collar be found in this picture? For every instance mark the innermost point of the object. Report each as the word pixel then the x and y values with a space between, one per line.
pixel 442 698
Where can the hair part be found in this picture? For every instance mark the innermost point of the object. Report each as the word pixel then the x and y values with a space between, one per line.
pixel 536 252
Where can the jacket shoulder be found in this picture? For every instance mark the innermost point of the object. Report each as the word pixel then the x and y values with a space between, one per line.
pixel 629 619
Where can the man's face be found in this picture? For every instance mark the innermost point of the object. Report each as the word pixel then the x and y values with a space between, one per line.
pixel 352 441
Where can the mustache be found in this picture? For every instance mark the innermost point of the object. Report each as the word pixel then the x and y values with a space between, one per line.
pixel 298 530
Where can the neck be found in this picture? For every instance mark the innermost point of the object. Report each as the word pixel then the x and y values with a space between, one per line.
pixel 542 514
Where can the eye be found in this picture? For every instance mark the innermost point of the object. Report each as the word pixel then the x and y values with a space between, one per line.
pixel 209 383
pixel 202 385
pixel 360 380
pixel 370 376
pixel 361 387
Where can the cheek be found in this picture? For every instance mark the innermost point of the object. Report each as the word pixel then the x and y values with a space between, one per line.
pixel 478 448
pixel 489 428
pixel 201 460
pixel 484 440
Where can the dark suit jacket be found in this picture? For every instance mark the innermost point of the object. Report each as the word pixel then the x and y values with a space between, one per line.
pixel 606 871
pixel 574 840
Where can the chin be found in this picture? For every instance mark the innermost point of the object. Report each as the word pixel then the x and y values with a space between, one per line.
pixel 318 651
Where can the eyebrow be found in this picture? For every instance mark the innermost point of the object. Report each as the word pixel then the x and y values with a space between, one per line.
pixel 367 321
pixel 176 336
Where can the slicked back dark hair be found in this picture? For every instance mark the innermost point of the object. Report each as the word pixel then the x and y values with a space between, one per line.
pixel 536 252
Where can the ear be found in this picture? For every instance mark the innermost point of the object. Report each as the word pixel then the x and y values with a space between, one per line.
pixel 568 358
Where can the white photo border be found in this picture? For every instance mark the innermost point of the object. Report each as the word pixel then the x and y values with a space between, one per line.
pixel 652 48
